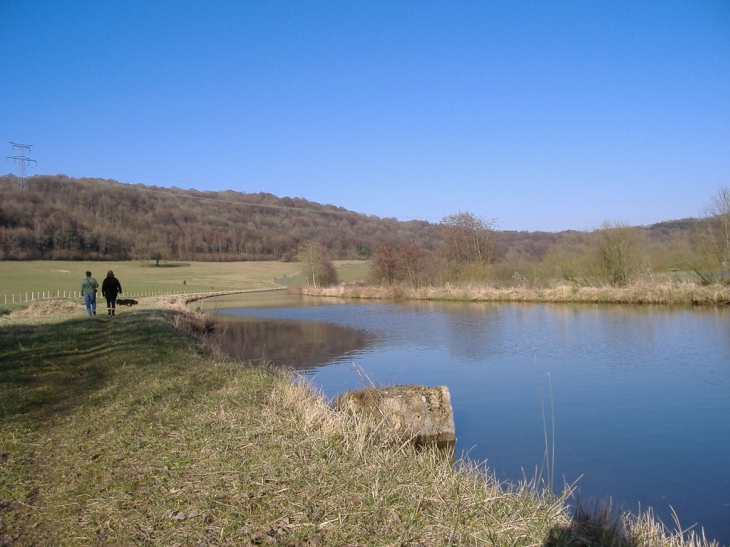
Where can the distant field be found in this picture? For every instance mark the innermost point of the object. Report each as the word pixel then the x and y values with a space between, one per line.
pixel 140 277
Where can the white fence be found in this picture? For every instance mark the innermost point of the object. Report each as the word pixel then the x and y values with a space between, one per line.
pixel 20 298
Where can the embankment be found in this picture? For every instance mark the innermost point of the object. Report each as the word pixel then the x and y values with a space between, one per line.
pixel 126 430
pixel 672 293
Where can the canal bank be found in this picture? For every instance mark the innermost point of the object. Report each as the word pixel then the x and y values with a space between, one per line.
pixel 662 293
pixel 124 430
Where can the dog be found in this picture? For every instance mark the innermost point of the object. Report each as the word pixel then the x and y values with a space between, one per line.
pixel 126 302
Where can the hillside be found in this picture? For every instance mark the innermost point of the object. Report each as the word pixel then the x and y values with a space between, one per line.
pixel 63 218
pixel 66 218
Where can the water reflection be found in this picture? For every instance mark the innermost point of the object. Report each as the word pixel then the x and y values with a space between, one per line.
pixel 300 345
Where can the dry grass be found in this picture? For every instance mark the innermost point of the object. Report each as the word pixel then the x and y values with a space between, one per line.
pixel 125 431
pixel 668 292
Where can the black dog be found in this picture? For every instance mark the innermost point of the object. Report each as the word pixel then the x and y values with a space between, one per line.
pixel 126 302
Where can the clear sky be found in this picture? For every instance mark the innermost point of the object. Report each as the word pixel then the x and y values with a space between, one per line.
pixel 541 115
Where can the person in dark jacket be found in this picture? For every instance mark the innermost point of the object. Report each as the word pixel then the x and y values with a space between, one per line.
pixel 110 288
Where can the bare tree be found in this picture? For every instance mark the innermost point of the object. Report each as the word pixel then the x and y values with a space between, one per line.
pixel 384 268
pixel 714 244
pixel 318 268
pixel 469 238
pixel 399 262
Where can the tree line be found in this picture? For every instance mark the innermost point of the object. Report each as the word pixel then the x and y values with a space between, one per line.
pixel 64 218
pixel 615 254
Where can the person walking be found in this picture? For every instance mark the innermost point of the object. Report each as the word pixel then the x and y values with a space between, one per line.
pixel 110 288
pixel 88 291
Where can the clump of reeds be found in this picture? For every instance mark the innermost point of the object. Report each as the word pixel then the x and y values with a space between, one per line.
pixel 602 526
pixel 192 322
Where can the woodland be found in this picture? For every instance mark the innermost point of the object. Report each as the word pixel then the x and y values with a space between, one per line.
pixel 64 218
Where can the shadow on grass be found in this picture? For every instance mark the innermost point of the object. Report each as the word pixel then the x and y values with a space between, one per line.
pixel 168 265
pixel 47 370
pixel 6 309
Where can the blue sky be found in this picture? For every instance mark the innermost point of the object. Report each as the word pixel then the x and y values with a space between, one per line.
pixel 541 115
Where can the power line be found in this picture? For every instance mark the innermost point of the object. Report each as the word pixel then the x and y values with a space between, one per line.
pixel 22 160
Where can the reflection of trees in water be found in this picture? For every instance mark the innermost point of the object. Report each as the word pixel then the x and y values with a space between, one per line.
pixel 297 344
pixel 475 332
pixel 470 330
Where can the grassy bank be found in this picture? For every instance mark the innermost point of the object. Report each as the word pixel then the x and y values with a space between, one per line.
pixel 127 431
pixel 667 292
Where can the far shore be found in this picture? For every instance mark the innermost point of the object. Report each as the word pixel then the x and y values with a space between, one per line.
pixel 665 293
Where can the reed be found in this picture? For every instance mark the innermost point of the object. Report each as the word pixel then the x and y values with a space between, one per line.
pixel 666 292
pixel 548 463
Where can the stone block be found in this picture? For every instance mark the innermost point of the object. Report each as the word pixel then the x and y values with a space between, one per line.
pixel 421 414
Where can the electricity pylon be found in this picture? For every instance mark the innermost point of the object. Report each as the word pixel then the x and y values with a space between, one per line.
pixel 22 160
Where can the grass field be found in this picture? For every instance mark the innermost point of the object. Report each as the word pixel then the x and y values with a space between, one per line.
pixel 20 277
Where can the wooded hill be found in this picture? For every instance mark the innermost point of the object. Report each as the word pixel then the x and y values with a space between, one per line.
pixel 81 218
pixel 65 218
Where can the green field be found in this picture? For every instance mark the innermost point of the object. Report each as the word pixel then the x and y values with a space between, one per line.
pixel 21 277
